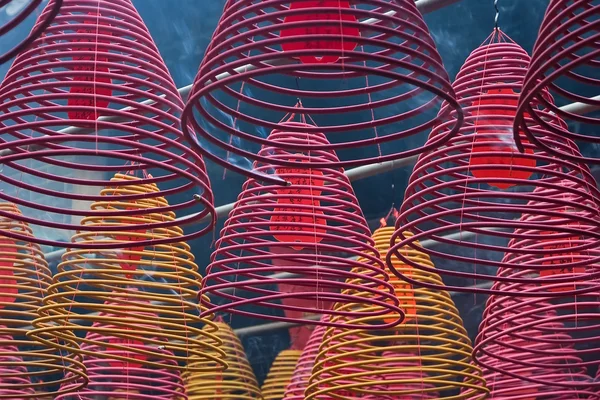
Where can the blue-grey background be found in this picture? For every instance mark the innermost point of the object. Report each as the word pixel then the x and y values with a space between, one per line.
pixel 182 30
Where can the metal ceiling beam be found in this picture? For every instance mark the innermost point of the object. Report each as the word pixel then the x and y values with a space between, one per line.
pixel 366 171
pixel 276 326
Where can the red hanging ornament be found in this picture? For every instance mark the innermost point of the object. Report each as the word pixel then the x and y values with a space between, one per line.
pixel 494 143
pixel 8 284
pixel 303 190
pixel 87 65
pixel 310 34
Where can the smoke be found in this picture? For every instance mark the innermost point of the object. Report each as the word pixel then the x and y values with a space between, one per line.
pixel 213 130
pixel 16 6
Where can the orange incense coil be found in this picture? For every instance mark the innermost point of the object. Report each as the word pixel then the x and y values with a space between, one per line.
pixel 432 340
pixel 27 366
pixel 108 292
pixel 236 383
pixel 280 375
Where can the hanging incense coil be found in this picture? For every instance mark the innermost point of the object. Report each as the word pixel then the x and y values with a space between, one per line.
pixel 431 342
pixel 117 380
pixel 299 382
pixel 143 295
pixel 534 348
pixel 236 383
pixel 303 371
pixel 15 23
pixel 280 375
pixel 27 366
pixel 306 234
pixel 469 196
pixel 407 367
pixel 91 98
pixel 547 344
pixel 566 57
pixel 368 71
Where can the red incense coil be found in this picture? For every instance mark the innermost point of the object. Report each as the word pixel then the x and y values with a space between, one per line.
pixel 94 292
pixel 541 347
pixel 97 60
pixel 474 209
pixel 28 366
pixel 368 71
pixel 299 381
pixel 312 230
pixel 15 23
pixel 403 369
pixel 566 57
pixel 117 380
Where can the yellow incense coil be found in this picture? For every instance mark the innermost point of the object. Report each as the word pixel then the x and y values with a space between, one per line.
pixel 280 374
pixel 428 356
pixel 27 365
pixel 236 383
pixel 138 304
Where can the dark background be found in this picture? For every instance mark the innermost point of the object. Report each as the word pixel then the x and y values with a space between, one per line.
pixel 182 30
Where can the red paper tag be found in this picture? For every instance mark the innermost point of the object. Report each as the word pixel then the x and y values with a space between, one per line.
pixel 134 258
pixel 91 79
pixel 8 249
pixel 310 32
pixel 124 353
pixel 565 258
pixel 503 133
pixel 406 295
pixel 310 178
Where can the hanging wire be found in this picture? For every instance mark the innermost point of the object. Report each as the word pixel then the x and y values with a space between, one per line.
pixel 497 14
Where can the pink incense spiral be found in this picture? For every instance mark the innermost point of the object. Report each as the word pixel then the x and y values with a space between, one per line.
pixel 293 249
pixel 534 348
pixel 471 194
pixel 94 96
pixel 299 382
pixel 367 70
pixel 116 379
pixel 565 59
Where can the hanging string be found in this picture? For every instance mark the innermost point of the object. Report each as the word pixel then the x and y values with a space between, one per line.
pixel 497 15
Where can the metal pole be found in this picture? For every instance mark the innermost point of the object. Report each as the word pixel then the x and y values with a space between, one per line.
pixel 367 171
pixel 276 326
pixel 582 108
pixel 424 243
pixel 428 6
